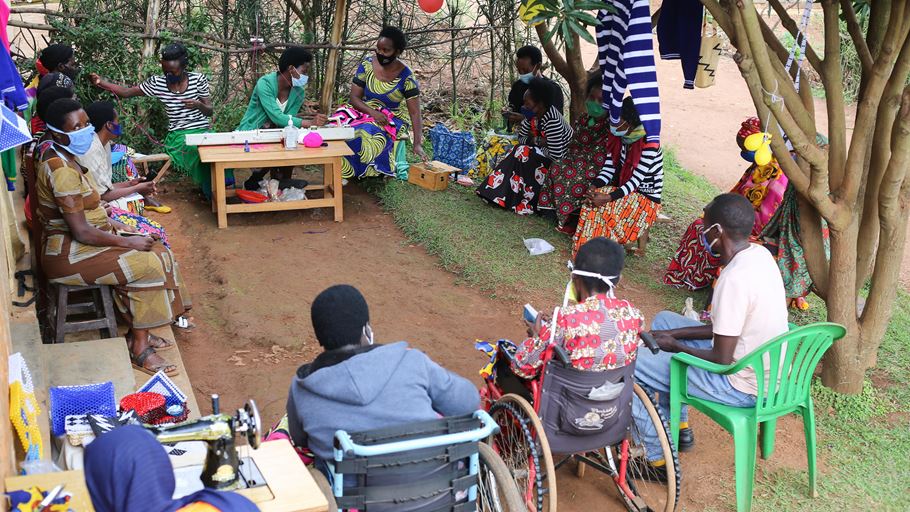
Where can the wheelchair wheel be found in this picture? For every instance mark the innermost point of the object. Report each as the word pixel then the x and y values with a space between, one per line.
pixel 640 487
pixel 496 489
pixel 523 446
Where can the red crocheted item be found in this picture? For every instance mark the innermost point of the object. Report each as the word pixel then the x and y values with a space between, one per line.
pixel 149 407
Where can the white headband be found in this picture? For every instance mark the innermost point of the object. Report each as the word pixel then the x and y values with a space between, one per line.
pixel 606 279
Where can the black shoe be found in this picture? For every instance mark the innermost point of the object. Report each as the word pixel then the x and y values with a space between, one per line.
pixel 252 183
pixel 640 469
pixel 686 439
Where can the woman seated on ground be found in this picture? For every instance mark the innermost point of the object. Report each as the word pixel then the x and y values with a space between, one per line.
pixel 516 182
pixel 567 182
pixel 624 199
pixel 599 332
pixel 186 100
pixel 358 386
pixel 98 161
pixel 83 246
pixel 385 102
pixel 127 470
pixel 277 99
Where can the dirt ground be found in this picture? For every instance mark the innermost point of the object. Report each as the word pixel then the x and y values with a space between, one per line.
pixel 253 283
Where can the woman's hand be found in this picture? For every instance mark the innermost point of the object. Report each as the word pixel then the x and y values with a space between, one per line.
pixel 95 79
pixel 598 199
pixel 146 188
pixel 513 117
pixel 320 119
pixel 418 150
pixel 194 104
pixel 380 118
pixel 535 328
pixel 139 243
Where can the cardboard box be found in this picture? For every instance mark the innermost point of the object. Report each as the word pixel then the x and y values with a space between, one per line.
pixel 431 176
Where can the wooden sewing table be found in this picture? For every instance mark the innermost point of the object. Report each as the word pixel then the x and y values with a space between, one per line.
pixel 274 155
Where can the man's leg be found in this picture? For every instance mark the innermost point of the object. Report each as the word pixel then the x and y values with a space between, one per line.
pixel 652 372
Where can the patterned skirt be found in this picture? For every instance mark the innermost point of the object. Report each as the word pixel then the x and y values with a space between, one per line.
pixel 148 288
pixel 568 179
pixel 492 150
pixel 623 220
pixel 516 182
pixel 692 267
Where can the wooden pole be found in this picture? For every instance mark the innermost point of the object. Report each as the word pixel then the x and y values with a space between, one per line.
pixel 151 28
pixel 331 68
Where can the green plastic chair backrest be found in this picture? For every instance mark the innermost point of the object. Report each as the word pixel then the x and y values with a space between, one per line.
pixel 788 361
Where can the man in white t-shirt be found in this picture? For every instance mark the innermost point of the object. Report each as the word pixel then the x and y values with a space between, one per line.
pixel 748 308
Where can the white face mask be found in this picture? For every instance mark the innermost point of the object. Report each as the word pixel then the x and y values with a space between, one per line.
pixel 368 334
pixel 571 291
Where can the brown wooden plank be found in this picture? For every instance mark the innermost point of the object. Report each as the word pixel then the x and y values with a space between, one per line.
pixel 279 206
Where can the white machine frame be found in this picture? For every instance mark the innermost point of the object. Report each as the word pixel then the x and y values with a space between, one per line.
pixel 265 136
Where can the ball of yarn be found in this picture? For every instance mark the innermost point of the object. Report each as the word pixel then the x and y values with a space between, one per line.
pixel 149 406
pixel 312 140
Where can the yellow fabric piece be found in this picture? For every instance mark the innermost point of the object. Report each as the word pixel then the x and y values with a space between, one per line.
pixel 24 413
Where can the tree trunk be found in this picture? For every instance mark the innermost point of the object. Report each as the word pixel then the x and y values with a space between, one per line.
pixel 842 367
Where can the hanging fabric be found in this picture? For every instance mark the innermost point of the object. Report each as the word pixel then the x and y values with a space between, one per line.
pixel 625 51
pixel 679 33
pixel 708 56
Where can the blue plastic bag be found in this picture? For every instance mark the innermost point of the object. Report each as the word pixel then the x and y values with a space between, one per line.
pixel 457 149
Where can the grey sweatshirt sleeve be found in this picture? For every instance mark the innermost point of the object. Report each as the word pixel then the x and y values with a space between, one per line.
pixel 451 394
pixel 295 427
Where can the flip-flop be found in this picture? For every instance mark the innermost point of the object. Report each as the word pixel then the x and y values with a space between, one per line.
pixel 159 209
pixel 138 363
pixel 168 344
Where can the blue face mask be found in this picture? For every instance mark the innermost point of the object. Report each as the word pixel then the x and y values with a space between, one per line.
pixel 528 113
pixel 526 78
pixel 618 133
pixel 299 81
pixel 115 129
pixel 173 79
pixel 80 140
pixel 704 240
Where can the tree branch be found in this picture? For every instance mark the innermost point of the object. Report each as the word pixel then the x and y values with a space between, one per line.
pixel 890 55
pixel 559 62
pixel 834 95
pixel 879 16
pixel 856 34
pixel 787 22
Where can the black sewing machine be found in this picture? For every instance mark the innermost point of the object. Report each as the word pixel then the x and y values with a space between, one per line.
pixel 221 469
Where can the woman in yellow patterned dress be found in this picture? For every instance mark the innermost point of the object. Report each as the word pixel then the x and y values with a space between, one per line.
pixel 385 100
pixel 82 245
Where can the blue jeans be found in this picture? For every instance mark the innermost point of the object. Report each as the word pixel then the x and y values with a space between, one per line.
pixel 652 372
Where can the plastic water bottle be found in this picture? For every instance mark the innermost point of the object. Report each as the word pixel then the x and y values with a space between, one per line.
pixel 290 135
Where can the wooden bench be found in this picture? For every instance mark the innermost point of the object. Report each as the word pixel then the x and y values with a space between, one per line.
pixel 144 161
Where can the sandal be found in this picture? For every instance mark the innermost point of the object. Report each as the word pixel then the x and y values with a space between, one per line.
pixel 160 209
pixel 185 322
pixel 161 344
pixel 169 369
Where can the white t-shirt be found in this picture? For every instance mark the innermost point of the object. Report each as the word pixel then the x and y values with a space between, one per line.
pixel 750 303
pixel 98 162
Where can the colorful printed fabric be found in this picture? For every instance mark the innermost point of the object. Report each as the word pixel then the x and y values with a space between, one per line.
pixel 791 258
pixel 568 179
pixel 491 152
pixel 692 267
pixel 764 187
pixel 516 183
pixel 142 224
pixel 374 148
pixel 125 169
pixel 598 334
pixel 623 220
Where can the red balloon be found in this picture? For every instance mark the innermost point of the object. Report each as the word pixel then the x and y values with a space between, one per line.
pixel 430 6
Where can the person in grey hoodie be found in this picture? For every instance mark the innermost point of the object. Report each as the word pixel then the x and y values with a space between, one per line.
pixel 357 386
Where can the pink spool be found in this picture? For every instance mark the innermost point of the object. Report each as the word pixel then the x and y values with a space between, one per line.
pixel 312 140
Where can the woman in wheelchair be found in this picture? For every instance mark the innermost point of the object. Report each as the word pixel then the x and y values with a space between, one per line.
pixel 599 332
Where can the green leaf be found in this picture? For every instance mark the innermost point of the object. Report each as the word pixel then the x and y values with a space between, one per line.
pixel 586 18
pixel 566 34
pixel 582 32
pixel 549 35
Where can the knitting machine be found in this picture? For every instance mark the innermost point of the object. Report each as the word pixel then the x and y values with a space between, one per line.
pixel 266 135
pixel 222 466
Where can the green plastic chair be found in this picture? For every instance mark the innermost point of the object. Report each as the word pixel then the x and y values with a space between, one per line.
pixel 790 360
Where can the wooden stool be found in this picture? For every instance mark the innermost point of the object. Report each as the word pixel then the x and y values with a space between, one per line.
pixel 100 305
pixel 144 161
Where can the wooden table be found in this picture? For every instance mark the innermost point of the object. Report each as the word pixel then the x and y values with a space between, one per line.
pixel 274 155
pixel 73 481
